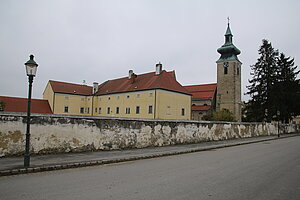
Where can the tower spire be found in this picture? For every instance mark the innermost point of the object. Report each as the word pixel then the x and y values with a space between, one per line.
pixel 228 50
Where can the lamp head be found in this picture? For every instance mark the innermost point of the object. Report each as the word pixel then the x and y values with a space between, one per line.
pixel 31 66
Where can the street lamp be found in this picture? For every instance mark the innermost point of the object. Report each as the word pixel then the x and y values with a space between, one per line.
pixel 31 68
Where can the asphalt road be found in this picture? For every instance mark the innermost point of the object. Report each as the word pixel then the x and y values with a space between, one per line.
pixel 266 170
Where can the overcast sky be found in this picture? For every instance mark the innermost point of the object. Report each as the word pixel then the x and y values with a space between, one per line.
pixel 98 40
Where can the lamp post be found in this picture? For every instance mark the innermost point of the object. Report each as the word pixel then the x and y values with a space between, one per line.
pixel 31 68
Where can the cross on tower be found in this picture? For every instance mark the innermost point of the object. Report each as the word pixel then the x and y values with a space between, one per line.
pixel 228 19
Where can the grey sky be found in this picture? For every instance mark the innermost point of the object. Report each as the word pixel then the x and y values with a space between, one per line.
pixel 76 40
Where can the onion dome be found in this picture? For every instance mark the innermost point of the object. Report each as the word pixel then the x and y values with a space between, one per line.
pixel 228 51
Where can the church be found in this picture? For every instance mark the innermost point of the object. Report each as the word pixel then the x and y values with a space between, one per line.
pixel 226 93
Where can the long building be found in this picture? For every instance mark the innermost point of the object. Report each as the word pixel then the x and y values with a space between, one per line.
pixel 154 95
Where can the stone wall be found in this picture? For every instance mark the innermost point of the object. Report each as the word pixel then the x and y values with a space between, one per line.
pixel 58 134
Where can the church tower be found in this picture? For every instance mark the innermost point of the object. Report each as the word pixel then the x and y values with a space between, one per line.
pixel 229 77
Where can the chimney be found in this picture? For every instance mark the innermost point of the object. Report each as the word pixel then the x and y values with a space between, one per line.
pixel 130 74
pixel 158 69
pixel 95 87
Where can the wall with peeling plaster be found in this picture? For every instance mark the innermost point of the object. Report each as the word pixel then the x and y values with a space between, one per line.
pixel 58 134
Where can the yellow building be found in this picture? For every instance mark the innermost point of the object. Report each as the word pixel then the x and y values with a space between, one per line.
pixel 68 98
pixel 154 95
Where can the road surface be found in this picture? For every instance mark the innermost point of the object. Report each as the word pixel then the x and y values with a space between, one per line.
pixel 266 170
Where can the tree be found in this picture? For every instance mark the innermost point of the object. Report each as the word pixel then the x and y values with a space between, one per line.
pixel 274 88
pixel 262 83
pixel 248 114
pixel 286 89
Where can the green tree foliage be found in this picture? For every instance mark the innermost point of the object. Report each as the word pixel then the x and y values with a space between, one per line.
pixel 286 89
pixel 263 79
pixel 273 87
pixel 222 115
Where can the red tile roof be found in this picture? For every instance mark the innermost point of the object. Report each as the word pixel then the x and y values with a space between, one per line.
pixel 201 108
pixel 165 80
pixel 202 92
pixel 70 88
pixel 16 104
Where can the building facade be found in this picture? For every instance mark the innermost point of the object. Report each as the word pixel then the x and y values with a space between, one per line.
pixel 68 98
pixel 203 99
pixel 135 96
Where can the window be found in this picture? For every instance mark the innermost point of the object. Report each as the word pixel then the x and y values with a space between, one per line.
pixel 237 70
pixel 108 110
pixel 182 112
pixel 225 70
pixel 168 110
pixel 226 67
pixel 117 110
pixel 128 96
pixel 118 97
pixel 82 110
pixel 108 98
pixel 87 110
pixel 66 109
pixel 205 104
pixel 138 96
pixel 127 111
pixel 150 109
pixel 99 110
pixel 95 110
pixel 137 111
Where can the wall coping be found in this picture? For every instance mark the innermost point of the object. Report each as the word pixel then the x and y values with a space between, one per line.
pixel 18 114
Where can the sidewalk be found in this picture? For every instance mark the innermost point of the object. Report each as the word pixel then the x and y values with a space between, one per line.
pixel 14 165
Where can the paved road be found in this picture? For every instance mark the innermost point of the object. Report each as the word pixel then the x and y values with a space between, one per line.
pixel 267 170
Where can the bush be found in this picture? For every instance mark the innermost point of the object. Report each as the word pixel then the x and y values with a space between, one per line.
pixel 221 115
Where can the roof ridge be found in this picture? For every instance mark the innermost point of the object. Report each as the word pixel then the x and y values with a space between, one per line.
pixel 22 98
pixel 205 84
pixel 69 83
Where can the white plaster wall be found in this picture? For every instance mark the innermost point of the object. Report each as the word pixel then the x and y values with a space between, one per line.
pixel 56 134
